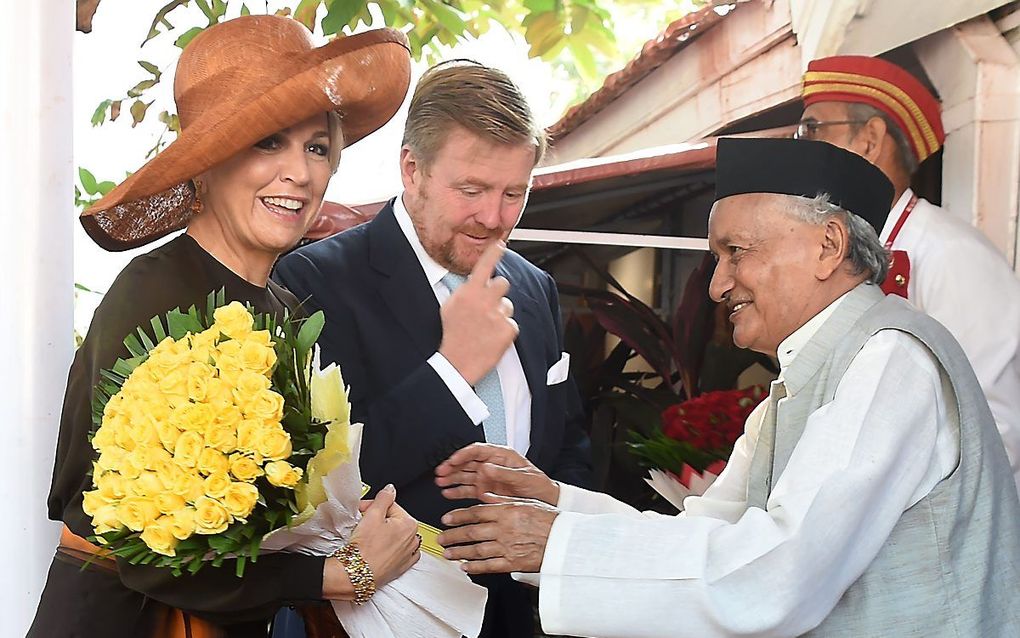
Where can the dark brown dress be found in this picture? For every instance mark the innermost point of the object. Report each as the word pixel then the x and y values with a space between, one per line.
pixel 99 603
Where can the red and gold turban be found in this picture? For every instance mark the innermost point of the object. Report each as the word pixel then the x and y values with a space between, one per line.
pixel 883 85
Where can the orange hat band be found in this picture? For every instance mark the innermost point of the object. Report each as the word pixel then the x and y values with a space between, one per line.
pixel 890 97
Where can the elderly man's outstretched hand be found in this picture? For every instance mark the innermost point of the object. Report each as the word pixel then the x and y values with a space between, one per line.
pixel 501 535
pixel 482 467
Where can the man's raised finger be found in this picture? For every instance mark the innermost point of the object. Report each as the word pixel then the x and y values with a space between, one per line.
pixel 486 264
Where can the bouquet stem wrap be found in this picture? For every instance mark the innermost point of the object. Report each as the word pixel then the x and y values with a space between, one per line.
pixel 434 599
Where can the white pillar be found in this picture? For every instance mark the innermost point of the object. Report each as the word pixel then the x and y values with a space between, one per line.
pixel 36 313
pixel 977 75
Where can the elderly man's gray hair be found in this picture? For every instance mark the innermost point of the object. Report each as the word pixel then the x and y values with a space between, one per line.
pixel 866 253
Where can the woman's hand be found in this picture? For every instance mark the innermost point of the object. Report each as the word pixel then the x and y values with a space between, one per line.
pixel 482 467
pixel 388 540
pixel 387 537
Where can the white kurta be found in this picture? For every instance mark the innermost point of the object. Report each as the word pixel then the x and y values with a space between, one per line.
pixel 723 569
pixel 959 278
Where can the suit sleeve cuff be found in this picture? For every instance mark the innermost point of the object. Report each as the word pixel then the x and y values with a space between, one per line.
pixel 461 390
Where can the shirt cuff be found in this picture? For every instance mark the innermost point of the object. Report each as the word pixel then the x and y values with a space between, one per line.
pixel 582 501
pixel 551 574
pixel 461 390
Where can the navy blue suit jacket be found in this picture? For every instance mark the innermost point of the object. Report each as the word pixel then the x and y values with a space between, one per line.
pixel 382 325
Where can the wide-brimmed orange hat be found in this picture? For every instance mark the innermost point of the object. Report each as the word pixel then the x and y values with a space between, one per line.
pixel 239 82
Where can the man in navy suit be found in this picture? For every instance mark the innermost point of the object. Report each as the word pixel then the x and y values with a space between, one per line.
pixel 445 337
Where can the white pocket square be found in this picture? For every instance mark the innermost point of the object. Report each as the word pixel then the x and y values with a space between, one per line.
pixel 558 373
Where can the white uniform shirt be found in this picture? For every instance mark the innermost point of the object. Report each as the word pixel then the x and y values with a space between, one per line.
pixel 959 278
pixel 723 569
pixel 516 395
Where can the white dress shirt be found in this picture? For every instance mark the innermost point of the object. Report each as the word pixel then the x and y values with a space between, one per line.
pixel 516 395
pixel 958 277
pixel 724 569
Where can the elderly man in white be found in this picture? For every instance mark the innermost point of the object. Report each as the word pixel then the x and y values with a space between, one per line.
pixel 870 494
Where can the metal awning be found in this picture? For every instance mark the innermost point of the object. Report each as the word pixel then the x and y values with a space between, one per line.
pixel 616 200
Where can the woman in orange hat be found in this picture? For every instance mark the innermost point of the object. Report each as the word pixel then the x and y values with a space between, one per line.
pixel 264 114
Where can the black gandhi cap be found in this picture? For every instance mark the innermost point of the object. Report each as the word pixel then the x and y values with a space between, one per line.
pixel 804 168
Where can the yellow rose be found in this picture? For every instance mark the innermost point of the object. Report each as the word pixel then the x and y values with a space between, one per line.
pixel 189 486
pixel 233 320
pixel 164 346
pixel 219 394
pixel 239 499
pixel 249 385
pixel 203 345
pixel 168 434
pixel 282 474
pixel 229 370
pixel 174 384
pixel 257 357
pixel 111 486
pixel 110 458
pixel 135 512
pixel 189 447
pixel 230 349
pixel 248 432
pixel 105 520
pixel 113 406
pixel 157 411
pixel 212 461
pixel 243 468
pixel 260 337
pixel 92 502
pixel 122 437
pixel 168 502
pixel 193 417
pixel 229 415
pixel 210 516
pixel 182 523
pixel 131 464
pixel 104 437
pixel 158 538
pixel 146 484
pixel 216 484
pixel 221 437
pixel 144 435
pixel 154 457
pixel 267 406
pixel 141 385
pixel 199 375
pixel 168 473
pixel 274 443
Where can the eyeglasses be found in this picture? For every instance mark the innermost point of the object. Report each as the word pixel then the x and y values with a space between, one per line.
pixel 808 129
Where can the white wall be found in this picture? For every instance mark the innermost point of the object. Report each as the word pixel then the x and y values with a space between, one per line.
pixel 36 315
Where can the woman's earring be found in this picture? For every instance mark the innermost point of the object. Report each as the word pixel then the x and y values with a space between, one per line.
pixel 196 204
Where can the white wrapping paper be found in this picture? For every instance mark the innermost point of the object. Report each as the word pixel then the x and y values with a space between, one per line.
pixel 434 599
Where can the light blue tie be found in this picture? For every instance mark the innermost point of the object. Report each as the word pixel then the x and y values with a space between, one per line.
pixel 488 389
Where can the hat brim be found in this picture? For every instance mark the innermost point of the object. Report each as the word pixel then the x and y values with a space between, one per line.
pixel 363 77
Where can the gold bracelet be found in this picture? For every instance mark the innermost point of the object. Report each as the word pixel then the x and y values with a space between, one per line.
pixel 358 571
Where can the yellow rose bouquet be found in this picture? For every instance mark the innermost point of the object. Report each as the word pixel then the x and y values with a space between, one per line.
pixel 205 434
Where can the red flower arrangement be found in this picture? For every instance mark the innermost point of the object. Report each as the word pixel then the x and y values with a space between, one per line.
pixel 699 432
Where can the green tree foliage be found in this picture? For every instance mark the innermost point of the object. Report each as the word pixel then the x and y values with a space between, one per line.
pixel 578 37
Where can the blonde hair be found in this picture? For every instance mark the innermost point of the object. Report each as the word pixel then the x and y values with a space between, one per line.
pixel 480 99
pixel 336 139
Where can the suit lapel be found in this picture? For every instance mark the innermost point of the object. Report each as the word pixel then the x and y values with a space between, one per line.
pixel 402 284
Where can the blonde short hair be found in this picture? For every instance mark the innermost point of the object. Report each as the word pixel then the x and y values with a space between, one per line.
pixel 477 98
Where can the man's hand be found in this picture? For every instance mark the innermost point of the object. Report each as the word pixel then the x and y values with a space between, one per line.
pixel 482 467
pixel 478 324
pixel 503 535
